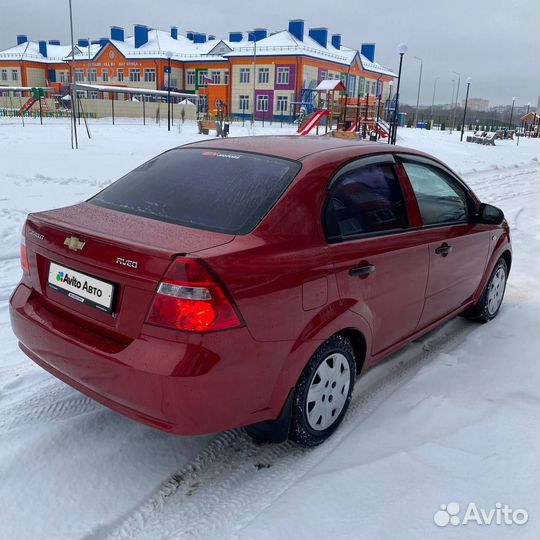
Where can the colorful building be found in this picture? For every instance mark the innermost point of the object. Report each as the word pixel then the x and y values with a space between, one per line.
pixel 276 73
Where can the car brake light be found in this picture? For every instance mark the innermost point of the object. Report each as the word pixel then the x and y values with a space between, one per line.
pixel 190 298
pixel 24 254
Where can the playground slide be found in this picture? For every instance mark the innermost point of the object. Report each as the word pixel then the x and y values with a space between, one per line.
pixel 27 105
pixel 312 122
pixel 381 128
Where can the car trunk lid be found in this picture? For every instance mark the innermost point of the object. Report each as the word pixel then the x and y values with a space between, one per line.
pixel 129 252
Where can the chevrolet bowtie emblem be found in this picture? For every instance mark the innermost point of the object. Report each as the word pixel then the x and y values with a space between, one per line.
pixel 72 242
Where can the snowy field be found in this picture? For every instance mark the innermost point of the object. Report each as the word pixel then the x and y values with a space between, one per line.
pixel 451 418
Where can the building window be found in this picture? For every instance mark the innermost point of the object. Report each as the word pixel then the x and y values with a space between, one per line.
pixel 244 75
pixel 351 86
pixel 262 103
pixel 225 77
pixel 282 75
pixel 149 75
pixel 216 77
pixel 202 77
pixel 282 104
pixel 243 103
pixel 4 74
pixel 14 74
pixel 92 95
pixel 62 76
pixel 92 75
pixel 134 75
pixel 120 75
pixel 81 94
pixel 79 75
pixel 324 75
pixel 361 86
pixel 264 75
pixel 190 77
pixel 105 75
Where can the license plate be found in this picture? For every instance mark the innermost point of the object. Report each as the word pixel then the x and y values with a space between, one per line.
pixel 81 287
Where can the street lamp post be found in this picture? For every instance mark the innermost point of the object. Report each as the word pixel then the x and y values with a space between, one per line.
pixel 457 98
pixel 433 99
pixel 512 112
pixel 453 91
pixel 388 117
pixel 465 108
pixel 254 78
pixel 418 94
pixel 168 54
pixel 402 49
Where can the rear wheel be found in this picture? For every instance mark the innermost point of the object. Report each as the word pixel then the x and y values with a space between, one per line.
pixel 489 304
pixel 323 392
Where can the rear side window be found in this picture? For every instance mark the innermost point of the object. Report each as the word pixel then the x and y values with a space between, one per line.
pixel 440 198
pixel 365 200
pixel 223 191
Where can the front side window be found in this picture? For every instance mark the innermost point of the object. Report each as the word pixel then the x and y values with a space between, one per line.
pixel 364 200
pixel 14 74
pixel 190 77
pixel 4 74
pixel 105 75
pixel 92 75
pixel 440 198
pixel 216 77
pixel 79 75
pixel 120 75
pixel 62 76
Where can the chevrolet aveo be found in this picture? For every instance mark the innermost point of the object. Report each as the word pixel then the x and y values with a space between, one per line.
pixel 247 282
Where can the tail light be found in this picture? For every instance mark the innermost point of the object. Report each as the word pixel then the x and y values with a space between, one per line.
pixel 24 254
pixel 190 298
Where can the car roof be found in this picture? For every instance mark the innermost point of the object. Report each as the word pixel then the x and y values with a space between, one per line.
pixel 287 146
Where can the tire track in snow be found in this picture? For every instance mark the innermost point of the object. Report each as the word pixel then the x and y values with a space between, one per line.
pixel 54 401
pixel 234 479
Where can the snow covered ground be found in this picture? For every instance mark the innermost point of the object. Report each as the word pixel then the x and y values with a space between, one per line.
pixel 451 418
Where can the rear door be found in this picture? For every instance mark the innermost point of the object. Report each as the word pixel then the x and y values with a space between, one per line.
pixel 458 247
pixel 381 266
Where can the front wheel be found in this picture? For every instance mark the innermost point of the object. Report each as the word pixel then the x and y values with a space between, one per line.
pixel 323 392
pixel 490 303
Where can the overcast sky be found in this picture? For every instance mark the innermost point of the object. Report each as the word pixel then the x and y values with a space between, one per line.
pixel 496 42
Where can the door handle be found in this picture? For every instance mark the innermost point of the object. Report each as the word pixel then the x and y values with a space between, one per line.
pixel 443 250
pixel 362 270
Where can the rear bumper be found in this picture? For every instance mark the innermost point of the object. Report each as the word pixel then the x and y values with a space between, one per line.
pixel 195 386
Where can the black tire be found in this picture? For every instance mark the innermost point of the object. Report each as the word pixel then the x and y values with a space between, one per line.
pixel 483 312
pixel 301 431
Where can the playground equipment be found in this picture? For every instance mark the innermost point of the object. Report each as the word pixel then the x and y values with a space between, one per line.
pixel 328 106
pixel 311 121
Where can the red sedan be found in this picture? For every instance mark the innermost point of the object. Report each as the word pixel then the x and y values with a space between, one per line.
pixel 246 282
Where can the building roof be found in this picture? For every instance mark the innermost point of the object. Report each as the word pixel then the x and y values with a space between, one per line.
pixel 160 43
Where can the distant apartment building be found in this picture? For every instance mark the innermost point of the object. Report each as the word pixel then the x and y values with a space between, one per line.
pixel 257 70
pixel 477 104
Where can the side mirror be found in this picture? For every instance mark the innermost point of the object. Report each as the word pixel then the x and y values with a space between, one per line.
pixel 490 214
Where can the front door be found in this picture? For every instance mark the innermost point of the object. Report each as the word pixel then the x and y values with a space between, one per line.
pixel 458 247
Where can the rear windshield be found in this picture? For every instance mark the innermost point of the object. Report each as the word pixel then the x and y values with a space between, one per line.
pixel 221 191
